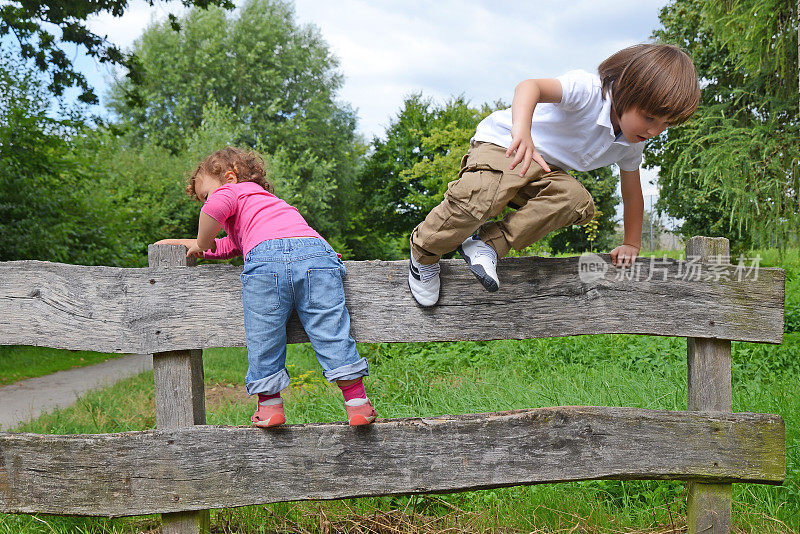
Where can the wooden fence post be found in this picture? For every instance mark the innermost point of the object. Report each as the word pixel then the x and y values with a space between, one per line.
pixel 709 373
pixel 180 393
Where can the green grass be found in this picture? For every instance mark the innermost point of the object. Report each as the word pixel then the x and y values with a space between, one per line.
pixel 21 362
pixel 429 379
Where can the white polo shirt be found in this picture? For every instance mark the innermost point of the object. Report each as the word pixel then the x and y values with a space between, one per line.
pixel 575 134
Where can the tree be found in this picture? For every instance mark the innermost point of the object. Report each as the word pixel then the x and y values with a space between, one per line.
pixel 49 208
pixel 144 183
pixel 406 174
pixel 29 21
pixel 734 169
pixel 278 80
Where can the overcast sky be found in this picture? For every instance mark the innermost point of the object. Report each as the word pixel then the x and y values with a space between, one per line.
pixel 478 48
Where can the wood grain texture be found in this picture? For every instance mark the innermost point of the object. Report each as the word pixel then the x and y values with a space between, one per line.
pixel 179 387
pixel 709 510
pixel 172 308
pixel 169 256
pixel 179 394
pixel 709 375
pixel 186 523
pixel 710 389
pixel 214 467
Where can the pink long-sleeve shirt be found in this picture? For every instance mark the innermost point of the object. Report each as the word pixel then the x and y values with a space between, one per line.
pixel 250 215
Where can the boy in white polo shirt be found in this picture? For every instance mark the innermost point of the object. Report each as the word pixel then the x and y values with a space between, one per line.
pixel 577 121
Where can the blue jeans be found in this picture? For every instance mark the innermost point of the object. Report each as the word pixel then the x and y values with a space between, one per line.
pixel 305 274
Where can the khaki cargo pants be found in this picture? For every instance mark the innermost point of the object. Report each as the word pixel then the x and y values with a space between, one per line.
pixel 545 201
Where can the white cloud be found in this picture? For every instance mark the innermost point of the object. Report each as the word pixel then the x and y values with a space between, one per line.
pixel 476 48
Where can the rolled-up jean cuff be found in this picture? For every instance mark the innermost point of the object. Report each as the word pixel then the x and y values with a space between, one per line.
pixel 269 385
pixel 348 372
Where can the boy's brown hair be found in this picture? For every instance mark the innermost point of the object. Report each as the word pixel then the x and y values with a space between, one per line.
pixel 659 79
pixel 247 166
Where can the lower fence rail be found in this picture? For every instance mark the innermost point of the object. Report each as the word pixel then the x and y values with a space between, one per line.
pixel 201 467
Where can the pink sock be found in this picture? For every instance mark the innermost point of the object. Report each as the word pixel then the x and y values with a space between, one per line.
pixel 265 398
pixel 354 391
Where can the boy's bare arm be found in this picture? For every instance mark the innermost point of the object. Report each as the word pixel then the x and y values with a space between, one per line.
pixel 632 215
pixel 527 94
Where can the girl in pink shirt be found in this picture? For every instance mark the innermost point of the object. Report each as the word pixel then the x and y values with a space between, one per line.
pixel 288 266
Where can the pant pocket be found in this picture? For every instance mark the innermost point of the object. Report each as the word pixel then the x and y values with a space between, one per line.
pixel 325 289
pixel 260 293
pixel 475 191
pixel 585 212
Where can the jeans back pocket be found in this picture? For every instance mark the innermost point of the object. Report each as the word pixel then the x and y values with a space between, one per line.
pixel 260 293
pixel 325 289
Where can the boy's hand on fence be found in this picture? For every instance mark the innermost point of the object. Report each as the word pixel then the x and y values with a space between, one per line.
pixel 624 255
pixel 522 144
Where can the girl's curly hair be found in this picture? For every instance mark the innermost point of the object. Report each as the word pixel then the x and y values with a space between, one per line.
pixel 247 166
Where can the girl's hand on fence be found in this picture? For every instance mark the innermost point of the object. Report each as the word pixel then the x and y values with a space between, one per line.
pixel 190 244
pixel 185 242
pixel 624 255
pixel 196 251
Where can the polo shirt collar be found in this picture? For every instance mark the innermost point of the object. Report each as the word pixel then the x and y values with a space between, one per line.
pixel 604 119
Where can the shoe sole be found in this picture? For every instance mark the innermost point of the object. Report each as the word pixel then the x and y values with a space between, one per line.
pixel 480 273
pixel 360 420
pixel 270 423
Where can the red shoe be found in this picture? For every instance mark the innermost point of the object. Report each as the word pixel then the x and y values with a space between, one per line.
pixel 361 415
pixel 267 416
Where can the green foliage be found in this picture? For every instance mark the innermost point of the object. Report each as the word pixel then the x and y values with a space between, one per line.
pixel 49 208
pixel 144 183
pixel 277 78
pixel 32 24
pixel 440 153
pixel 407 173
pixel 761 37
pixel 275 81
pixel 734 169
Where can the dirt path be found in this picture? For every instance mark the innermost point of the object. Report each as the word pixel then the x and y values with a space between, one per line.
pixel 28 399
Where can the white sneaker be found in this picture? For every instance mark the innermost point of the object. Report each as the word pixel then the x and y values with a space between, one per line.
pixel 482 261
pixel 424 282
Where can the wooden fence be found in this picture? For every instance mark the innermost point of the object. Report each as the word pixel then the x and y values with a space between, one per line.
pixel 183 468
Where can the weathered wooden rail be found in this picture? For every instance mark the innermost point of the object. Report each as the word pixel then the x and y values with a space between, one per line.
pixel 182 470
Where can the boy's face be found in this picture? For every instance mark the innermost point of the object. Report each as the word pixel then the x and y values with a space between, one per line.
pixel 639 126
